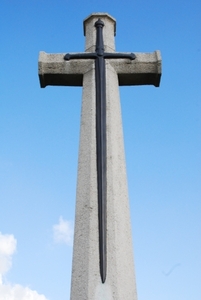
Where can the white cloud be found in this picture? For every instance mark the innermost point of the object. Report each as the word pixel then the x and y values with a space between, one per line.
pixel 18 292
pixel 7 247
pixel 7 244
pixel 63 232
pixel 7 291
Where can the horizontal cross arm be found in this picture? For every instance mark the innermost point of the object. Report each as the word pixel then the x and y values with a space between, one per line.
pixel 145 69
pixel 54 70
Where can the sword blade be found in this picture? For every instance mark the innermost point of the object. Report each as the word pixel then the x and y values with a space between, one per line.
pixel 101 160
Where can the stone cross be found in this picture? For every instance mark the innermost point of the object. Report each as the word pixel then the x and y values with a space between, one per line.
pixel 102 226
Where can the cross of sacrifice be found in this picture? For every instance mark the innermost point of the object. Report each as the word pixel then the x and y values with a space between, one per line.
pixel 102 239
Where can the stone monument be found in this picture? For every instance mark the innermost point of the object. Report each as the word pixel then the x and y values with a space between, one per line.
pixel 103 266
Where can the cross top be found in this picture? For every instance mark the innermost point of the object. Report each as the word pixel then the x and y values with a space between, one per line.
pixel 109 32
pixel 99 47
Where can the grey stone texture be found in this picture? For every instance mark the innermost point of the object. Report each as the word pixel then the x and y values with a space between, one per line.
pixel 145 69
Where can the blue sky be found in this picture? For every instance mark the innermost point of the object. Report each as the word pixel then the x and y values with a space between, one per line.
pixel 39 137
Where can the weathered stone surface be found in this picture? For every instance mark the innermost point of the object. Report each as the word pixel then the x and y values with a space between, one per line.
pixel 85 269
pixel 54 70
pixel 144 70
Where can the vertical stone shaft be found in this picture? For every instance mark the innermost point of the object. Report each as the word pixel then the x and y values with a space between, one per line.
pixel 120 281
